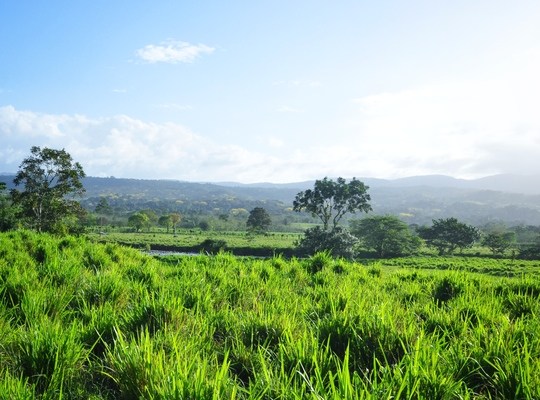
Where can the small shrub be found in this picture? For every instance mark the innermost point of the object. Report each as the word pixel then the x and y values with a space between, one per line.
pixel 375 270
pixel 446 290
pixel 212 246
pixel 520 305
pixel 319 261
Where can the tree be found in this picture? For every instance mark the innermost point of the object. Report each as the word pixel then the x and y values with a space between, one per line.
pixel 165 221
pixel 447 235
pixel 175 220
pixel 152 217
pixel 103 207
pixel 138 220
pixel 204 225
pixel 258 221
pixel 51 182
pixel 330 200
pixel 8 212
pixel 387 235
pixel 530 251
pixel 499 242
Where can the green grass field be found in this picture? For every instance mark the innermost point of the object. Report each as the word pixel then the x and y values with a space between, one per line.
pixel 186 239
pixel 102 321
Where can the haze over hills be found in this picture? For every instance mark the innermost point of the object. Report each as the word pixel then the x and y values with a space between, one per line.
pixel 525 184
pixel 512 183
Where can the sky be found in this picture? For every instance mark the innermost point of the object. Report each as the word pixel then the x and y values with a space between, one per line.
pixel 273 91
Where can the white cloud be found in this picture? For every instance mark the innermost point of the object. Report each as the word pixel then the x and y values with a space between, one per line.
pixel 465 129
pixel 127 147
pixel 287 109
pixel 275 142
pixel 173 51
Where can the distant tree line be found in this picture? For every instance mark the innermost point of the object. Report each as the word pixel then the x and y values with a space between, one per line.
pixel 387 235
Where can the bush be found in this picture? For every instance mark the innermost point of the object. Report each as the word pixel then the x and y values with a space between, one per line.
pixel 319 261
pixel 338 242
pixel 212 246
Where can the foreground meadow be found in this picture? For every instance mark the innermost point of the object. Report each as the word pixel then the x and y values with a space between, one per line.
pixel 101 321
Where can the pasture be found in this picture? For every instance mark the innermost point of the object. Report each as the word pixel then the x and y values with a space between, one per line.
pixel 101 321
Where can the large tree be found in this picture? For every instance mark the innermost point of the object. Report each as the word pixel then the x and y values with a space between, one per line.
pixel 331 200
pixel 447 235
pixel 258 221
pixel 52 181
pixel 387 235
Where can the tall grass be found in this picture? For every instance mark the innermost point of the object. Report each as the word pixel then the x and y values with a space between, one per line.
pixel 86 320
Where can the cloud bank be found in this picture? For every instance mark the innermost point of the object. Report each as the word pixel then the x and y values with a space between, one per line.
pixel 466 130
pixel 173 52
pixel 126 147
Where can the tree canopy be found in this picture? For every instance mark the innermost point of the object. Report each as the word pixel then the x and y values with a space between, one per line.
pixel 258 221
pixel 330 200
pixel 499 242
pixel 447 235
pixel 8 212
pixel 175 220
pixel 51 181
pixel 165 221
pixel 387 235
pixel 103 207
pixel 138 221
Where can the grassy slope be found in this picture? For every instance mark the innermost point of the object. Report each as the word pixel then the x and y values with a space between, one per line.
pixel 87 320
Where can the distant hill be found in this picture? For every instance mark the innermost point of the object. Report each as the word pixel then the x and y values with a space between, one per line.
pixel 510 199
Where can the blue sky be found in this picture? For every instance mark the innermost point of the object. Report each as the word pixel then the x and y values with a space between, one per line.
pixel 276 91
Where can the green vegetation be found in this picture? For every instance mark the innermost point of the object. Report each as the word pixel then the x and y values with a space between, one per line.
pixel 448 235
pixel 8 212
pixel 102 321
pixel 138 221
pixel 337 242
pixel 258 221
pixel 387 235
pixel 330 200
pixel 499 242
pixel 51 181
pixel 189 239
